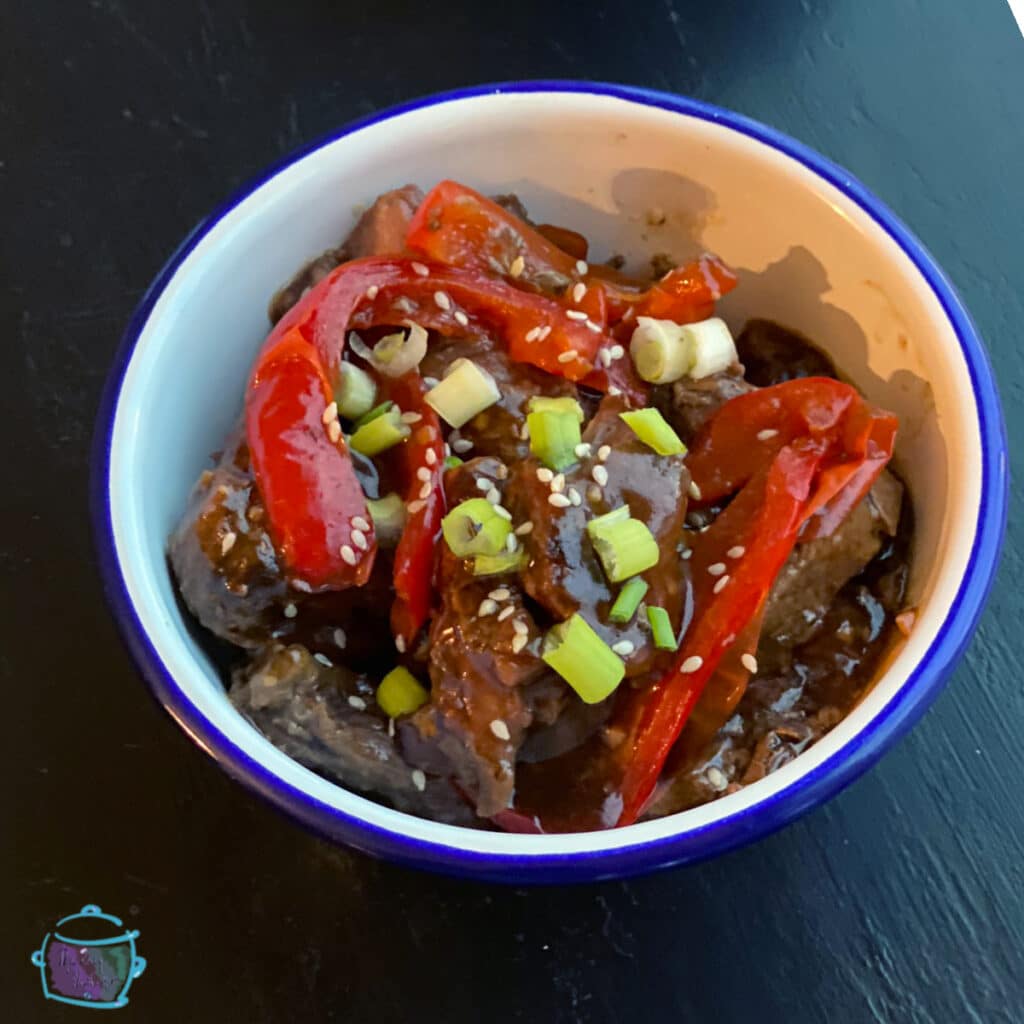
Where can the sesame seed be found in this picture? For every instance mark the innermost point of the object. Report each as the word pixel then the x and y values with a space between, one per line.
pixel 400 644
pixel 330 414
pixel 483 484
pixel 687 554
pixel 544 475
pixel 717 568
pixel 503 512
pixel 339 637
pixel 415 506
pixel 545 332
pixel 411 417
pixel 423 473
pixel 581 268
pixel 582 450
pixel 519 641
pixel 357 702
pixel 695 491
pixel 603 452
pixel 721 584
pixel 717 778
pixel 506 612
pixel 360 523
pixel 600 475
pixel 501 472
pixel 442 301
pixel 591 326
pixel 521 628
pixel 295 656
pixel 421 269
pixel 372 292
pixel 524 528
pixel 431 382
pixel 594 493
pixel 290 611
pixel 359 539
pixel 578 291
pixel 517 267
pixel 511 543
pixel 749 662
pixel 566 357
pixel 533 333
pixel 604 357
pixel 391 727
pixel 524 431
pixel 558 482
pixel 348 555
pixel 500 729
pixel 737 552
pixel 500 594
pixel 487 607
pixel 324 660
pixel 616 352
pixel 624 647
pixel 419 780
pixel 691 664
pixel 576 314
pixel 302 585
pixel 494 496
pixel 334 431
pixel 574 496
pixel 431 457
pixel 766 435
pixel 614 390
pixel 227 542
pixel 425 491
pixel 461 445
pixel 559 500
pixel 460 318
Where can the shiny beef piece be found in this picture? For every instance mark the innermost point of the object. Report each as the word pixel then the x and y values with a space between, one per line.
pixel 564 574
pixel 771 354
pixel 688 404
pixel 496 431
pixel 380 231
pixel 326 718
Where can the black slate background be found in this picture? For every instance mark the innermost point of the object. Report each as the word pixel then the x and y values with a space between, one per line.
pixel 121 124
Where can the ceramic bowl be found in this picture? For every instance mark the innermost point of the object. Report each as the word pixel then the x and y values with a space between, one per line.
pixel 638 172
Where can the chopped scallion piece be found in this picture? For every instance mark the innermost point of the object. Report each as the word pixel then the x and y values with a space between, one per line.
pixel 466 390
pixel 452 462
pixel 661 628
pixel 625 546
pixel 388 515
pixel 503 562
pixel 583 660
pixel 554 437
pixel 712 347
pixel 369 417
pixel 541 403
pixel 400 693
pixel 650 426
pixel 474 528
pixel 630 596
pixel 399 353
pixel 660 350
pixel 380 433
pixel 355 391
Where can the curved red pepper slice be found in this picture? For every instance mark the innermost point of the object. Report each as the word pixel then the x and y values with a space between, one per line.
pixel 425 505
pixel 827 441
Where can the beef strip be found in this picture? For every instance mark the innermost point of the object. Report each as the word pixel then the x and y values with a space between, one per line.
pixel 771 354
pixel 326 718
pixel 380 231
pixel 564 574
pixel 496 431
pixel 688 404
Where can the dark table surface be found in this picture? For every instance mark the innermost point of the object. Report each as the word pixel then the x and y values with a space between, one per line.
pixel 121 123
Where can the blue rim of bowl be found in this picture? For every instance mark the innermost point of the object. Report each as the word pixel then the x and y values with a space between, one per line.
pixel 758 820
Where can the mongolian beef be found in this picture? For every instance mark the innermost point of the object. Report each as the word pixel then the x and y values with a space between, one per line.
pixel 508 539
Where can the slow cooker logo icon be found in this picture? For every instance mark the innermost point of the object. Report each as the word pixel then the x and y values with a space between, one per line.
pixel 89 959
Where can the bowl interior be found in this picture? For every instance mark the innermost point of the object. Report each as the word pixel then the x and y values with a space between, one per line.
pixel 637 180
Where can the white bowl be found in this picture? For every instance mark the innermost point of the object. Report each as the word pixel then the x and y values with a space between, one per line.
pixel 816 251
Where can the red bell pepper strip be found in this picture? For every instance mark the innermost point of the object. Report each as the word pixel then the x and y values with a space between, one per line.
pixel 827 439
pixel 425 504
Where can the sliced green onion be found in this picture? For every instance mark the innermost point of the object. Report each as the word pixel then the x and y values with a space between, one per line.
pixel 541 403
pixel 400 693
pixel 712 347
pixel 465 391
pixel 399 353
pixel 452 462
pixel 625 546
pixel 355 392
pixel 369 417
pixel 388 515
pixel 660 350
pixel 630 596
pixel 503 562
pixel 554 437
pixel 381 433
pixel 474 528
pixel 583 660
pixel 661 628
pixel 650 426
